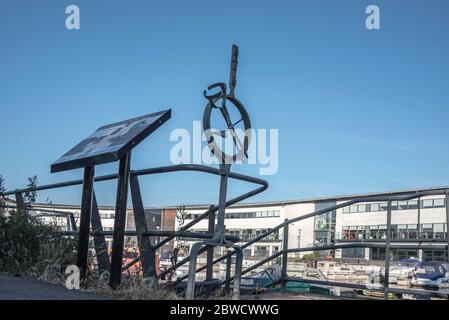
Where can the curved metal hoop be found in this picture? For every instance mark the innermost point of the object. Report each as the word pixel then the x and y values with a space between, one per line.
pixel 213 146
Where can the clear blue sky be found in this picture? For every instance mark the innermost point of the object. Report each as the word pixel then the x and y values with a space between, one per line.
pixel 357 110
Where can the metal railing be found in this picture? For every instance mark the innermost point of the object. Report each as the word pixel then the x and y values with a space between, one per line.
pixel 147 250
pixel 386 244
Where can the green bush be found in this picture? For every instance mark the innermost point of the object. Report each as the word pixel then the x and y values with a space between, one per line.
pixel 29 246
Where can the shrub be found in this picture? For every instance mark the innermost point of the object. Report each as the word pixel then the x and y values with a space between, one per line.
pixel 30 246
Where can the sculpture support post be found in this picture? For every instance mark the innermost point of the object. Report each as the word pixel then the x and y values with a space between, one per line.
pixel 224 168
pixel 146 251
pixel 120 221
pixel 101 248
pixel 86 212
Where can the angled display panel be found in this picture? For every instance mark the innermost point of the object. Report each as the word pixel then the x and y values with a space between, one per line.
pixel 111 142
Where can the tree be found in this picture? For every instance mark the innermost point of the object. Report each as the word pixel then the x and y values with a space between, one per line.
pixel 30 196
pixel 2 189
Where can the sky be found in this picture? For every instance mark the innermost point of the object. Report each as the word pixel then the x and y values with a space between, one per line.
pixel 356 110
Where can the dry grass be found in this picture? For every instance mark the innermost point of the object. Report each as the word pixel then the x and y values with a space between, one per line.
pixel 132 288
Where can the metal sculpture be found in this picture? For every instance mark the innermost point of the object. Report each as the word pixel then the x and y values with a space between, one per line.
pixel 225 162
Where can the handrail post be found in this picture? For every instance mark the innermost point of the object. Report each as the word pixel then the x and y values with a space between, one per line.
pixel 210 249
pixel 447 222
pixel 387 252
pixel 20 203
pixel 284 256
pixel 228 272
pixel 419 218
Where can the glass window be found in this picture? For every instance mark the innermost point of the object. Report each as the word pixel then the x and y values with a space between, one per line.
pixel 345 209
pixel 258 214
pixel 427 231
pixel 383 206
pixel 427 203
pixel 402 205
pixel 382 234
pixel 438 203
pixel 375 207
pixel 412 231
pixel 438 230
pixel 362 208
pixel 264 213
pixel 413 204
pixel 353 208
pixel 373 232
pixel 402 231
pixel 394 205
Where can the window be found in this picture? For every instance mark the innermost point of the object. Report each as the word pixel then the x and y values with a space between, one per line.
pixel 402 205
pixel 404 253
pixel 375 207
pixel 382 232
pixel 438 203
pixel 261 251
pixel 374 232
pixel 353 208
pixel 434 255
pixel 378 254
pixel 427 203
pixel 346 209
pixel 402 231
pixel 413 204
pixel 427 231
pixel 353 253
pixel 438 230
pixel 412 231
pixel 345 233
pixel 362 208
pixel 394 205
pixel 383 206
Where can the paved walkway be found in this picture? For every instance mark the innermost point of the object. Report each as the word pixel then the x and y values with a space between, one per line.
pixel 17 288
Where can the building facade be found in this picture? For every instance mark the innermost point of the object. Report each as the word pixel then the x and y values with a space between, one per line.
pixel 415 221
